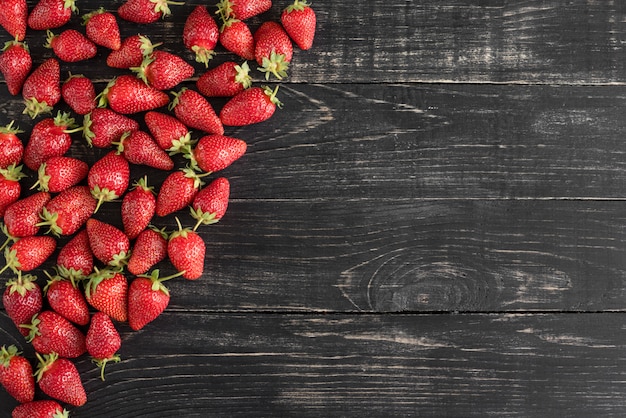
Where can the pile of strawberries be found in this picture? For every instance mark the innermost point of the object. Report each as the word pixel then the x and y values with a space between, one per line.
pixel 105 274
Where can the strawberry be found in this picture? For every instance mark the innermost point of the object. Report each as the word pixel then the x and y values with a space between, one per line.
pixel 102 29
pixel 127 94
pixel 237 37
pixel 42 88
pixel 66 299
pixel 108 178
pixel 11 147
pixel 102 341
pixel 195 111
pixel 75 259
pixel 225 80
pixel 185 250
pixel 10 187
pixel 102 127
pixel 28 253
pixel 59 173
pixel 15 65
pixel 140 148
pixel 50 137
pixel 200 34
pixel 58 378
pixel 171 134
pixel 50 14
pixel 272 49
pixel 52 333
pixel 79 93
pixel 108 243
pixel 107 291
pixel 21 218
pixel 40 409
pixel 216 152
pixel 22 299
pixel 163 70
pixel 211 202
pixel 14 18
pixel 299 22
pixel 147 299
pixel 242 9
pixel 177 191
pixel 131 52
pixel 16 374
pixel 138 206
pixel 68 211
pixel 150 248
pixel 145 11
pixel 71 46
pixel 253 105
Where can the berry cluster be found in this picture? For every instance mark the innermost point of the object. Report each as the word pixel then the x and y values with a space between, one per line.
pixel 106 274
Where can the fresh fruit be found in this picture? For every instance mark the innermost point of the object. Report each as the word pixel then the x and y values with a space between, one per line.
pixel 15 65
pixel 171 134
pixel 79 93
pixel 50 14
pixel 272 49
pixel 195 111
pixel 28 253
pixel 149 249
pixel 102 341
pixel 211 202
pixel 127 94
pixel 66 299
pixel 236 36
pixel 107 291
pixel 147 299
pixel 16 374
pixel 42 88
pixel 131 52
pixel 59 173
pixel 253 105
pixel 49 332
pixel 186 250
pixel 10 187
pixel 242 9
pixel 50 137
pixel 102 29
pixel 68 211
pixel 71 46
pixel 108 244
pixel 102 127
pixel 145 11
pixel 225 80
pixel 216 152
pixel 40 409
pixel 299 20
pixel 22 299
pixel 75 259
pixel 14 18
pixel 58 378
pixel 108 178
pixel 177 191
pixel 140 148
pixel 138 206
pixel 200 34
pixel 21 217
pixel 163 70
pixel 11 147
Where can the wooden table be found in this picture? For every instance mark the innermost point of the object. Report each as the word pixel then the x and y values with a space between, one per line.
pixel 433 225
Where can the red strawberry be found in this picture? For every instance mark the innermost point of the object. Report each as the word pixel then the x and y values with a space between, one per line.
pixel 40 409
pixel 108 243
pixel 163 70
pixel 42 88
pixel 108 178
pixel 107 291
pixel 237 37
pixel 68 211
pixel 145 11
pixel 150 248
pixel 10 187
pixel 210 204
pixel 200 34
pixel 71 46
pixel 140 148
pixel 50 14
pixel 59 173
pixel 16 374
pixel 299 22
pixel 15 65
pixel 131 52
pixel 22 217
pixel 138 206
pixel 147 299
pixel 127 94
pixel 102 127
pixel 11 147
pixel 75 259
pixel 67 300
pixel 49 138
pixel 79 93
pixel 52 333
pixel 216 152
pixel 58 378
pixel 177 191
pixel 103 341
pixel 243 9
pixel 102 29
pixel 195 111
pixel 186 249
pixel 28 253
pixel 171 134
pixel 22 299
pixel 225 80
pixel 272 49
pixel 253 105
pixel 14 18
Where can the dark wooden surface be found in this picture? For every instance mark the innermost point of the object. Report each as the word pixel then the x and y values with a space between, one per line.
pixel 433 225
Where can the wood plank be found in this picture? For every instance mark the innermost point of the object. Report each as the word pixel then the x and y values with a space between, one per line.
pixel 200 364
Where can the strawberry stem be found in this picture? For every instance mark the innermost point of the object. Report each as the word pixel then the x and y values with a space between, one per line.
pixel 203 55
pixel 9 129
pixel 102 362
pixel 275 64
pixel 34 108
